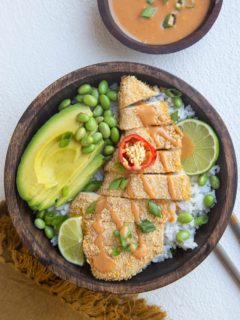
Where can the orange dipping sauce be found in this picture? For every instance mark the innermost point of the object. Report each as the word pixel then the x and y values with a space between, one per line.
pixel 127 14
pixel 187 147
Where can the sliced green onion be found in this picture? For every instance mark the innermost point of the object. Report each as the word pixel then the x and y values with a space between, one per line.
pixel 92 186
pixel 147 226
pixel 179 5
pixel 169 21
pixel 148 12
pixel 172 92
pixel 154 209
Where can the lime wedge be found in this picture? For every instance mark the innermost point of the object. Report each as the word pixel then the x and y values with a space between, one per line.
pixel 70 240
pixel 200 146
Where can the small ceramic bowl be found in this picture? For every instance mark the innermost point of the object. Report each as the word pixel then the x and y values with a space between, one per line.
pixel 155 275
pixel 118 33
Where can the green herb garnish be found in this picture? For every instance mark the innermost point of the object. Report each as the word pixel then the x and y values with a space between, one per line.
pixel 154 209
pixel 174 116
pixel 119 183
pixel 150 1
pixel 148 12
pixel 93 186
pixel 172 92
pixel 116 252
pixel 92 207
pixel 147 226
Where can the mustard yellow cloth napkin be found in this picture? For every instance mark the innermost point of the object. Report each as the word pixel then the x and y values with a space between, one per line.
pixel 29 291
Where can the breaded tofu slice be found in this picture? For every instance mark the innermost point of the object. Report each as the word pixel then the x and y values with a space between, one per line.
pixel 167 161
pixel 133 90
pixel 123 208
pixel 167 137
pixel 149 186
pixel 144 115
pixel 126 264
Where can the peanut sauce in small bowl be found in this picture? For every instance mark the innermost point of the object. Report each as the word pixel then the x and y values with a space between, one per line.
pixel 159 26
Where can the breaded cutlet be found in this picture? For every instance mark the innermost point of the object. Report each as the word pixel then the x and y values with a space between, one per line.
pixel 166 187
pixel 167 161
pixel 133 90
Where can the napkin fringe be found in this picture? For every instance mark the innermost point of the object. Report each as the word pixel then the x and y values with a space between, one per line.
pixel 95 305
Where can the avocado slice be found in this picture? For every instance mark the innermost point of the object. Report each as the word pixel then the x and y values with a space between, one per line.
pixel 48 199
pixel 44 165
pixel 82 179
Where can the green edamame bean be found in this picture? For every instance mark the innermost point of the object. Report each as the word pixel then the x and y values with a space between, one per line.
pixel 97 137
pixel 208 200
pixel 201 220
pixel 108 142
pixel 81 132
pixel 202 180
pixel 107 113
pixel 111 121
pixel 104 101
pixel 89 149
pixel 49 233
pixel 108 150
pixel 112 95
pixel 79 97
pixel 83 117
pixel 91 125
pixel 115 135
pixel 97 112
pixel 39 223
pixel 84 88
pixel 104 129
pixel 177 102
pixel 41 214
pixel 95 93
pixel 215 182
pixel 99 119
pixel 103 87
pixel 184 217
pixel 64 104
pixel 90 100
pixel 86 141
pixel 182 236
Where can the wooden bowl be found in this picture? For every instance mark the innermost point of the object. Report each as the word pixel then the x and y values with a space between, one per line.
pixel 156 275
pixel 117 32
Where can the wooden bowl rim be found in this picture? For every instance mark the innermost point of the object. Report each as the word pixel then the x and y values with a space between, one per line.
pixel 119 34
pixel 92 283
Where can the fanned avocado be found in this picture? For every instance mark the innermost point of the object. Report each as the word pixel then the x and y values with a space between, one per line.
pixel 46 168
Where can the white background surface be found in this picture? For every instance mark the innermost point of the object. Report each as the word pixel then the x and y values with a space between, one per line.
pixel 41 40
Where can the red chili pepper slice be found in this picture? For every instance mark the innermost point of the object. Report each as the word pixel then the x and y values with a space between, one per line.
pixel 135 153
